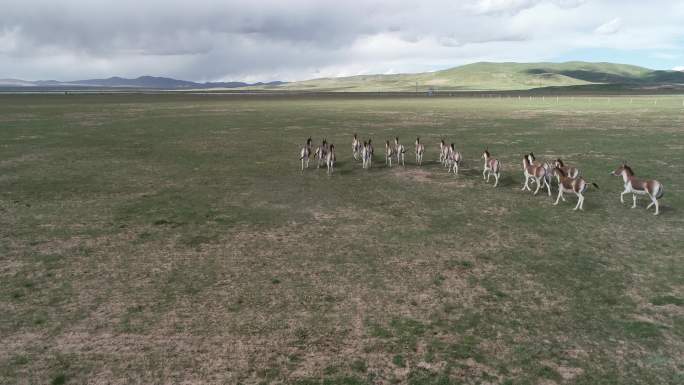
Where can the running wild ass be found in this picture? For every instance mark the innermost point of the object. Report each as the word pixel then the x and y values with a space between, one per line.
pixel 547 167
pixel 389 153
pixel 367 154
pixel 567 184
pixel 454 159
pixel 305 153
pixel 420 150
pixel 651 188
pixel 400 151
pixel 330 159
pixel 491 167
pixel 537 172
pixel 321 153
pixel 444 152
pixel 356 147
pixel 572 172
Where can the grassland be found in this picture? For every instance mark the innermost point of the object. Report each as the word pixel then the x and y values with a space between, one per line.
pixel 495 76
pixel 173 239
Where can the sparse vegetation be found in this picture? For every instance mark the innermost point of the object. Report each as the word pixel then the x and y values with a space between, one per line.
pixel 146 239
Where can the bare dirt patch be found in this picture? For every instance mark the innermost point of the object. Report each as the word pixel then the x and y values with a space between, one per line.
pixel 417 175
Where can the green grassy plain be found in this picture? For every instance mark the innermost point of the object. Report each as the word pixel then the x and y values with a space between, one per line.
pixel 172 239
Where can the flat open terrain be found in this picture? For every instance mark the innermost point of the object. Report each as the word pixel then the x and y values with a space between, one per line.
pixel 173 239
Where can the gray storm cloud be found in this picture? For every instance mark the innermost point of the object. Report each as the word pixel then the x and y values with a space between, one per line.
pixel 288 40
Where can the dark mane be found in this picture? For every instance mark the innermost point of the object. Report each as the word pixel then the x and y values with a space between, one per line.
pixel 487 152
pixel 629 170
pixel 533 157
pixel 560 162
pixel 560 171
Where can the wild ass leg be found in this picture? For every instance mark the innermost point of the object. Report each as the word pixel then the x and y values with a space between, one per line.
pixel 634 199
pixel 525 186
pixel 580 200
pixel 560 195
pixel 496 179
pixel 622 199
pixel 548 186
pixel 539 184
pixel 654 201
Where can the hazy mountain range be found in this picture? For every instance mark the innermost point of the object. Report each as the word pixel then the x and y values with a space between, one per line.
pixel 470 77
pixel 144 82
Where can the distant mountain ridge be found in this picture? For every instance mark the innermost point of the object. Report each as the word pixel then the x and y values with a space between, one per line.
pixel 487 76
pixel 482 76
pixel 146 82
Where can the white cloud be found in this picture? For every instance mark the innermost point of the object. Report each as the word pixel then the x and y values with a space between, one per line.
pixel 678 68
pixel 299 39
pixel 610 27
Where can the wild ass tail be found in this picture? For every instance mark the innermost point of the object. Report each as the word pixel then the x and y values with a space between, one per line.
pixel 661 191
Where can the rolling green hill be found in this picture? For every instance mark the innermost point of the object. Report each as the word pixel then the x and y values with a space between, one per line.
pixel 495 76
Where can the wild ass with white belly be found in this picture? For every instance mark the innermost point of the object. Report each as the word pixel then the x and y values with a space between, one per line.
pixel 367 155
pixel 420 150
pixel 330 159
pixel 305 153
pixel 539 174
pixel 321 153
pixel 454 159
pixel 548 178
pixel 356 147
pixel 492 166
pixel 651 188
pixel 571 172
pixel 389 153
pixel 444 152
pixel 567 184
pixel 400 151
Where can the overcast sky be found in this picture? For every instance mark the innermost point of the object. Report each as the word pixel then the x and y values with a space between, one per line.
pixel 263 40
